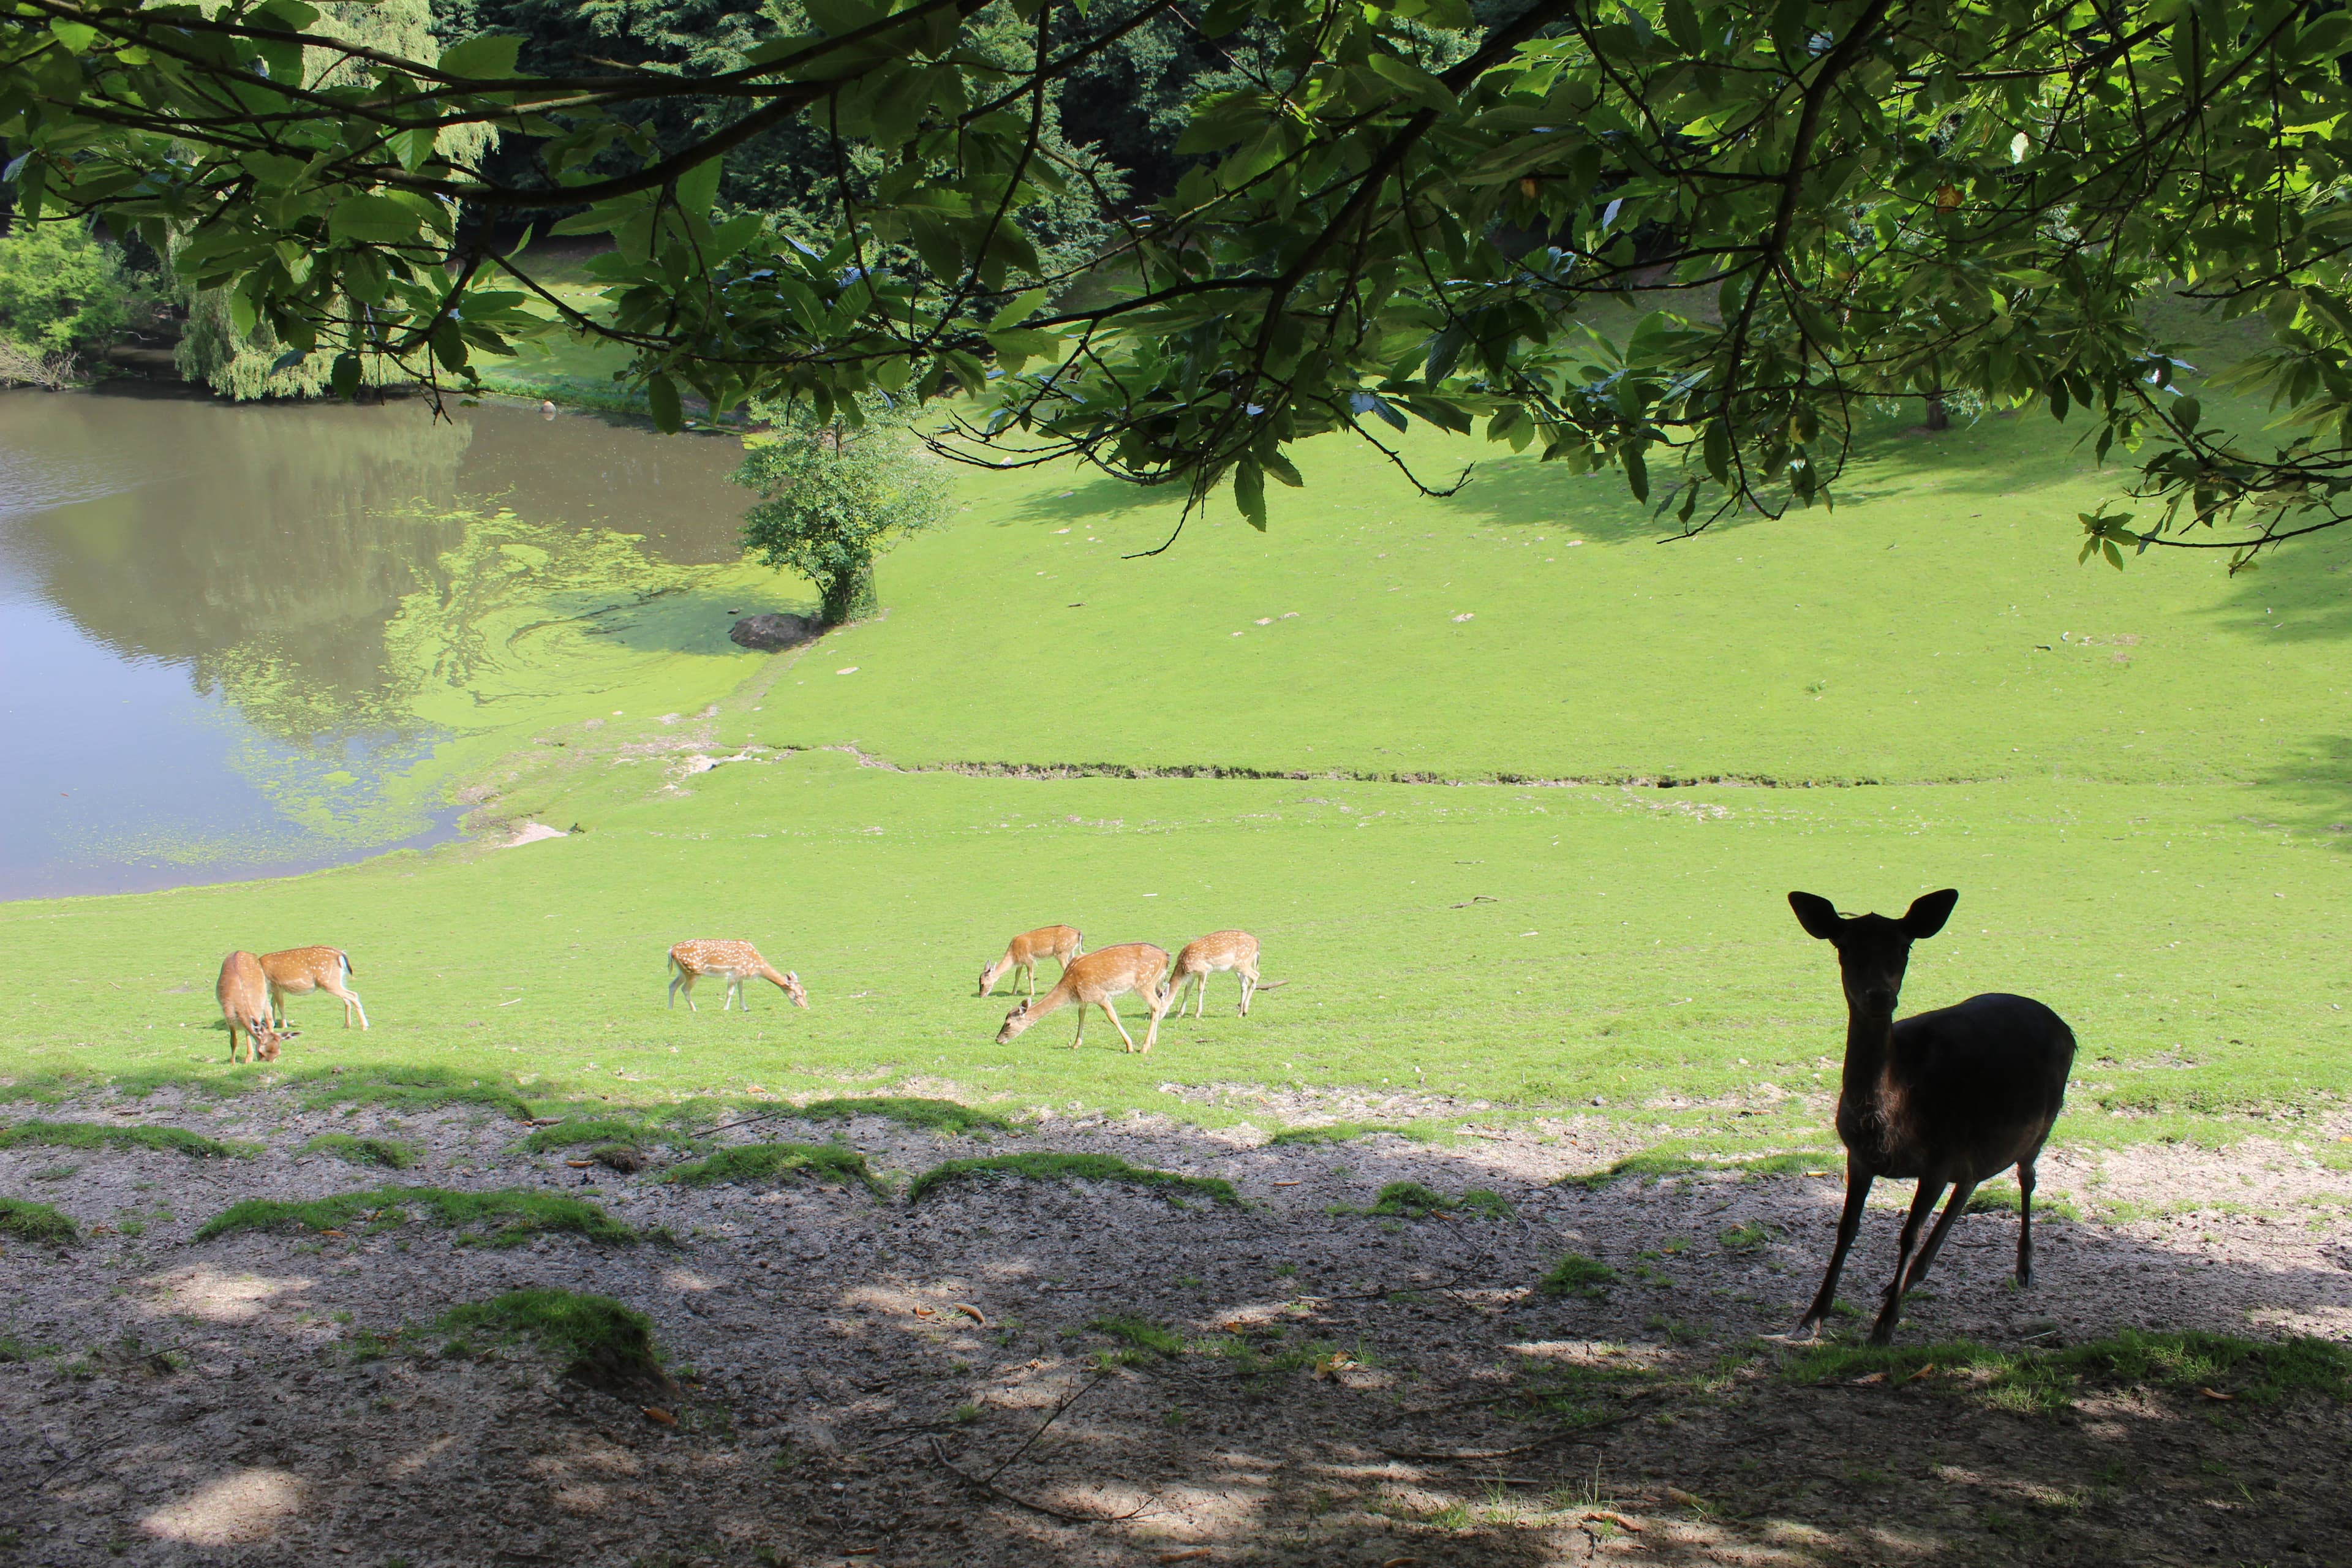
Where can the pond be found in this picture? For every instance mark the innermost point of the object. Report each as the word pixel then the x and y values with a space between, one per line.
pixel 242 641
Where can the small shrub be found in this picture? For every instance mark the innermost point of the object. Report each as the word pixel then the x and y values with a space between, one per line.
pixel 1049 1167
pixel 29 1221
pixel 1577 1274
pixel 571 1135
pixel 362 1150
pixel 113 1136
pixel 608 1345
pixel 525 1213
pixel 760 1162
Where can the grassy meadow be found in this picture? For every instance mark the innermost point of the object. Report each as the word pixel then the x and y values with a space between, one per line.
pixel 1560 776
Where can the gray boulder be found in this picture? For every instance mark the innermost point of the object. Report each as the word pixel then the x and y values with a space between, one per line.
pixel 768 633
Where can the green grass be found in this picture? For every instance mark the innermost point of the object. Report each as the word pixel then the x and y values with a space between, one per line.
pixel 2037 1381
pixel 1050 1167
pixel 385 1152
pixel 1338 1132
pixel 604 1343
pixel 2142 830
pixel 116 1135
pixel 1411 1200
pixel 1577 1274
pixel 935 1115
pixel 575 1132
pixel 1669 1162
pixel 508 1215
pixel 764 1162
pixel 29 1221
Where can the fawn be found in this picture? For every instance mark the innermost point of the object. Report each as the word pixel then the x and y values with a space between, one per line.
pixel 1951 1096
pixel 736 962
pixel 1091 982
pixel 1058 943
pixel 299 970
pixel 242 991
pixel 1235 949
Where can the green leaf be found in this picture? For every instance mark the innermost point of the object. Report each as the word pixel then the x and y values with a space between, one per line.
pixel 1414 83
pixel 698 187
pixel 1249 492
pixel 1282 468
pixel 77 37
pixel 486 57
pixel 1022 305
pixel 1682 25
pixel 345 378
pixel 377 220
pixel 662 392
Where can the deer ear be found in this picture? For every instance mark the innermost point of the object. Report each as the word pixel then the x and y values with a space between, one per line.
pixel 1928 913
pixel 1816 914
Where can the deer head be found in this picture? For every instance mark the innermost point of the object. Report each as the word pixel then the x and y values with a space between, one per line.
pixel 1014 1022
pixel 1873 950
pixel 792 989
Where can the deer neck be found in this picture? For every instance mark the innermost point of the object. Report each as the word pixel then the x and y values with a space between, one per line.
pixel 1869 1042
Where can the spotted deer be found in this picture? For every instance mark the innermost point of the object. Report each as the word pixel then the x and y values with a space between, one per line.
pixel 299 970
pixel 736 962
pixel 1061 944
pixel 1220 950
pixel 1949 1097
pixel 243 993
pixel 1091 982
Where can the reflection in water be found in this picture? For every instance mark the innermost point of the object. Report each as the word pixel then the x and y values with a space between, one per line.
pixel 218 624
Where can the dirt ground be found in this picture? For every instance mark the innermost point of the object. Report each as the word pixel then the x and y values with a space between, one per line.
pixel 1351 1390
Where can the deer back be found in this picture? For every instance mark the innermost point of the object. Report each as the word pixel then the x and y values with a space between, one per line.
pixel 1114 970
pixel 1218 949
pixel 302 967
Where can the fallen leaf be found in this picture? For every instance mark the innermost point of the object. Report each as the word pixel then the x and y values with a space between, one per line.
pixel 659 1416
pixel 1619 1519
pixel 2215 1394
pixel 1285 1184
pixel 1869 1378
pixel 974 1313
pixel 1921 1373
pixel 1688 1499
pixel 101 1230
pixel 927 1313
pixel 1400 1562
pixel 579 1164
pixel 1192 1554
pixel 333 1233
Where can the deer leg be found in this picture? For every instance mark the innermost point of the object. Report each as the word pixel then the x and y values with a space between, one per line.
pixel 689 994
pixel 1961 1192
pixel 351 1001
pixel 1923 1203
pixel 1082 1027
pixel 1857 1189
pixel 2025 1222
pixel 1031 971
pixel 1112 1014
pixel 277 1008
pixel 1249 985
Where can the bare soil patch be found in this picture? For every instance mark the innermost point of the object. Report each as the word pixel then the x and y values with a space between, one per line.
pixel 865 1382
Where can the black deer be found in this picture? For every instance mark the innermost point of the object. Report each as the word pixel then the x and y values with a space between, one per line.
pixel 1951 1098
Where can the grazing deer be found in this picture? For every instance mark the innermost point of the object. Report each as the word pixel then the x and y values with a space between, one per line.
pixel 1951 1097
pixel 243 993
pixel 299 970
pixel 736 962
pixel 1091 982
pixel 1058 943
pixel 1235 949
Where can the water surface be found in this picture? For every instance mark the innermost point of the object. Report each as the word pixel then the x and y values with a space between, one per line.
pixel 230 636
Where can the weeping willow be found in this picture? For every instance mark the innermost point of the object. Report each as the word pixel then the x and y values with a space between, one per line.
pixel 245 366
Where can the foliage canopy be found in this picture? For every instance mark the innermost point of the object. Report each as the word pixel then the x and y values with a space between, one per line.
pixel 1394 210
pixel 833 498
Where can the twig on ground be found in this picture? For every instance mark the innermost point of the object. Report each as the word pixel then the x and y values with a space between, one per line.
pixel 993 1489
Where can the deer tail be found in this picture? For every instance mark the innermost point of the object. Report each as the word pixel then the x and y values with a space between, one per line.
pixel 347 961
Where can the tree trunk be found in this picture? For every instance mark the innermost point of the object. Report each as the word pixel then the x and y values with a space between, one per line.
pixel 1939 417
pixel 849 595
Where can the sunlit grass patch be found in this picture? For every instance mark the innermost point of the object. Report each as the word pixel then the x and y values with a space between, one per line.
pixel 1667 1163
pixel 1340 1133
pixel 113 1136
pixel 1143 1339
pixel 573 1132
pixel 2002 1198
pixel 410 1087
pixel 28 1221
pixel 2039 1381
pixel 1050 1167
pixel 607 1344
pixel 936 1115
pixel 353 1150
pixel 763 1162
pixel 1411 1200
pixel 518 1214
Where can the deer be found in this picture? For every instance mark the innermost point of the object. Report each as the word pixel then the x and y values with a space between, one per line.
pixel 1220 950
pixel 1059 943
pixel 299 970
pixel 1091 982
pixel 1949 1097
pixel 736 962
pixel 242 991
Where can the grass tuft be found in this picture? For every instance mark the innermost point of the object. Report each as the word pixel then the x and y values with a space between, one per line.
pixel 759 1161
pixel 908 1110
pixel 343 1146
pixel 29 1221
pixel 1665 1164
pixel 610 1345
pixel 1577 1274
pixel 2042 1380
pixel 408 1089
pixel 1139 1335
pixel 110 1135
pixel 1046 1167
pixel 524 1214
pixel 569 1134
pixel 1411 1200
